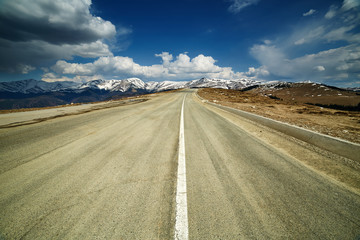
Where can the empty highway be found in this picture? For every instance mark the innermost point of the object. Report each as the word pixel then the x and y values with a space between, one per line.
pixel 113 174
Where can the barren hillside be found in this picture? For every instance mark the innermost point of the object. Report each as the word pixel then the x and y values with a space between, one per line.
pixel 287 104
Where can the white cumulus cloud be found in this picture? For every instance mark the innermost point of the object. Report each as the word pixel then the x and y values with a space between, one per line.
pixel 181 68
pixel 166 57
pixel 257 72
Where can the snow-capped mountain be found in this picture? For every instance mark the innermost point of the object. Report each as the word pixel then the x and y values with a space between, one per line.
pixel 124 85
pixel 163 86
pixel 115 85
pixel 221 83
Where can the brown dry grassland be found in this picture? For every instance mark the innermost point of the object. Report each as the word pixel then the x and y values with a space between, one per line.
pixel 336 123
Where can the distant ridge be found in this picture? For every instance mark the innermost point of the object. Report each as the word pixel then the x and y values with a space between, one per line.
pixel 35 86
pixel 31 93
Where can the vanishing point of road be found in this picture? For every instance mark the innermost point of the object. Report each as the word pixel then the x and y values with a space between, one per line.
pixel 120 173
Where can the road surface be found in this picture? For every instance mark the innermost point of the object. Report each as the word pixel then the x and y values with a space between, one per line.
pixel 112 174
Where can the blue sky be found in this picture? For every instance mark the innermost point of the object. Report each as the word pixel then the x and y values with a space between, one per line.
pixel 156 40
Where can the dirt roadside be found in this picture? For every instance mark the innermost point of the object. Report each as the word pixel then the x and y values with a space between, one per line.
pixel 336 123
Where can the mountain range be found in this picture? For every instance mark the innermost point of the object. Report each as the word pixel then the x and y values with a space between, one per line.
pixel 32 93
pixel 124 85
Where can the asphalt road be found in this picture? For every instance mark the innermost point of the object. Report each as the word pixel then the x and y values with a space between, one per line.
pixel 112 174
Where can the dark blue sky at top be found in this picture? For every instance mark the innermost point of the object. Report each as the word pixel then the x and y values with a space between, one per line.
pixel 201 27
pixel 230 39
